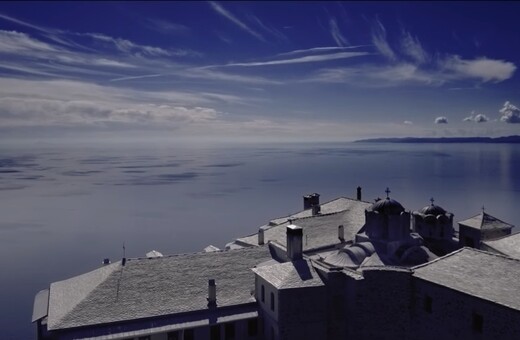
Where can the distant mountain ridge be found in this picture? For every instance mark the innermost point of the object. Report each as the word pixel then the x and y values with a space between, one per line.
pixel 503 140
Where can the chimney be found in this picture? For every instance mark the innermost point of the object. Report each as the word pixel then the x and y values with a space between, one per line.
pixel 106 261
pixel 359 193
pixel 341 233
pixel 212 294
pixel 123 261
pixel 316 209
pixel 260 236
pixel 294 242
pixel 311 200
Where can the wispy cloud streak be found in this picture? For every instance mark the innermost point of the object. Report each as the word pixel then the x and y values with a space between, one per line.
pixel 228 15
pixel 306 59
pixel 336 33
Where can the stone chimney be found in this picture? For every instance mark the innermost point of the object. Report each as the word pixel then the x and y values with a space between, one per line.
pixel 316 210
pixel 294 242
pixel 341 233
pixel 260 236
pixel 311 200
pixel 212 294
pixel 358 193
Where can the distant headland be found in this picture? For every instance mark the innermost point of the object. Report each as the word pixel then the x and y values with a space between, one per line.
pixel 416 140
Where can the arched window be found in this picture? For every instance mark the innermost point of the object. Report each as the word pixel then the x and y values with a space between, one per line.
pixel 262 293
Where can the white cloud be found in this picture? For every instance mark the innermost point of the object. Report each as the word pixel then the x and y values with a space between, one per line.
pixel 377 76
pixel 380 42
pixel 306 59
pixel 270 30
pixel 483 69
pixel 476 117
pixel 68 103
pixel 228 15
pixel 510 113
pixel 412 47
pixel 20 43
pixel 336 33
pixel 166 27
pixel 321 50
pixel 212 75
pixel 127 46
pixel 441 120
pixel 408 122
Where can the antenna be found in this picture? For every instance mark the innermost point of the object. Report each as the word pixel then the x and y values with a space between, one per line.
pixel 124 250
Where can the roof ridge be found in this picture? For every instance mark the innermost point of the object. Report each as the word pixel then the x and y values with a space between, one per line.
pixel 438 259
pixel 201 252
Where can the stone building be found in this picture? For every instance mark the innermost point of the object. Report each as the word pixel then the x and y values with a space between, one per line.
pixel 339 270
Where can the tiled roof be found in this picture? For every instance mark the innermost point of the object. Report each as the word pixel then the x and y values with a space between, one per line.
pixel 296 274
pixel 334 206
pixel 509 245
pixel 485 221
pixel 154 287
pixel 481 274
pixel 41 303
pixel 319 230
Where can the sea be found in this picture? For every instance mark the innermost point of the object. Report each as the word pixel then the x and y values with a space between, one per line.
pixel 64 207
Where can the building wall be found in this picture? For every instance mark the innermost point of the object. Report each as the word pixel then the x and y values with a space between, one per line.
pixel 452 315
pixel 381 306
pixel 302 313
pixel 466 234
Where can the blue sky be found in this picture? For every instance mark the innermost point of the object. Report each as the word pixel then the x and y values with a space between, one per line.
pixel 259 70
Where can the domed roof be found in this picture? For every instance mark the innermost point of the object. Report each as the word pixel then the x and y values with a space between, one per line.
pixel 388 206
pixel 432 209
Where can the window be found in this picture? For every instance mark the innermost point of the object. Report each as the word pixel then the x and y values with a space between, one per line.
pixel 468 241
pixel 147 337
pixel 214 332
pixel 229 331
pixel 252 327
pixel 174 335
pixel 189 334
pixel 478 322
pixel 262 293
pixel 272 301
pixel 427 304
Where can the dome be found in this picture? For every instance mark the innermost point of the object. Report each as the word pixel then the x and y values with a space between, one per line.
pixel 432 209
pixel 388 206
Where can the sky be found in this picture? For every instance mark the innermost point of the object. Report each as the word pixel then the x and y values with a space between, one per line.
pixel 260 71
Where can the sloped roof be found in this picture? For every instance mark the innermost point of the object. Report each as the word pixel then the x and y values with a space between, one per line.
pixel 320 230
pixel 484 221
pixel 41 304
pixel 334 206
pixel 296 274
pixel 509 245
pixel 149 287
pixel 477 273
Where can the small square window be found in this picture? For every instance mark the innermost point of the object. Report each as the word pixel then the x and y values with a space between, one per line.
pixel 478 322
pixel 427 304
pixel 189 334
pixel 229 331
pixel 174 335
pixel 252 327
pixel 215 332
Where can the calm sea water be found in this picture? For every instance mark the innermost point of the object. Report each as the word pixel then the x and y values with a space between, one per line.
pixel 63 209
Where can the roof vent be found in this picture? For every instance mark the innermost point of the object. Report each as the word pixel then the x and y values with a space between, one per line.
pixel 106 261
pixel 212 294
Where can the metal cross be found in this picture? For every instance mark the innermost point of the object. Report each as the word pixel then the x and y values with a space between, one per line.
pixel 483 208
pixel 387 192
pixel 432 200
